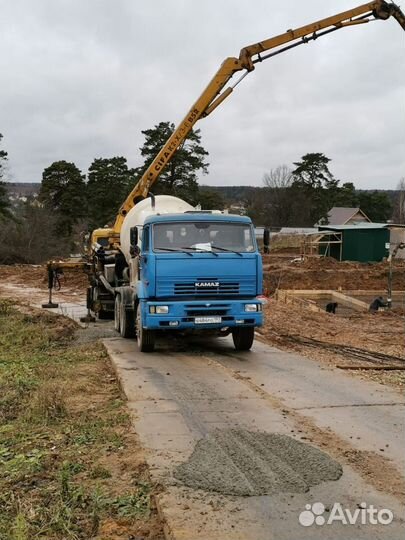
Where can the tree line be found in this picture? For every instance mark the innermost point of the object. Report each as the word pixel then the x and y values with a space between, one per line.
pixel 302 195
pixel 71 202
pixel 96 198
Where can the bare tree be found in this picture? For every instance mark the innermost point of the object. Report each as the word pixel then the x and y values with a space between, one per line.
pixel 31 238
pixel 274 198
pixel 281 177
pixel 282 203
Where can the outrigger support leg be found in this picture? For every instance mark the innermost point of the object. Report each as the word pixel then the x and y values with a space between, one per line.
pixel 51 278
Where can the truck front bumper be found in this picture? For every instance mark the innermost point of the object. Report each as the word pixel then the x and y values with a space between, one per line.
pixel 200 315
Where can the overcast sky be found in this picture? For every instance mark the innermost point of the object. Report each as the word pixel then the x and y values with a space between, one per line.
pixel 82 78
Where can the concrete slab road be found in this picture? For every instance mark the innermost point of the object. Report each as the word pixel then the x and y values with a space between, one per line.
pixel 193 402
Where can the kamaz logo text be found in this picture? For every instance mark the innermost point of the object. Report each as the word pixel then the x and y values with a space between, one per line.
pixel 206 284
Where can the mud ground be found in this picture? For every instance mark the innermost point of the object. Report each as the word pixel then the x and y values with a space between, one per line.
pixel 286 271
pixel 382 332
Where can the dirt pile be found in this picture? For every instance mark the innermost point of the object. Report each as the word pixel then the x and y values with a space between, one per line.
pixel 28 284
pixel 246 463
pixel 326 273
pixel 31 275
pixel 24 273
pixel 379 332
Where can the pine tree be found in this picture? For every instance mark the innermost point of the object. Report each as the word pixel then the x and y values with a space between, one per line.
pixel 313 178
pixel 179 177
pixel 109 182
pixel 63 191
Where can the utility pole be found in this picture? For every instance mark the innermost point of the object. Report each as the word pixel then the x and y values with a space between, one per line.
pixel 391 256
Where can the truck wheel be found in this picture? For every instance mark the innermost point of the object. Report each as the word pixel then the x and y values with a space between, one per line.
pixel 127 322
pixel 243 338
pixel 117 312
pixel 145 338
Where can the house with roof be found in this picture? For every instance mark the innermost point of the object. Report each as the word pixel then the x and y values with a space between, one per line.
pixel 340 215
pixel 351 236
pixel 362 242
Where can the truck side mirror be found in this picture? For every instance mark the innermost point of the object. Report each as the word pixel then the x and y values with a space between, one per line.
pixel 133 236
pixel 266 241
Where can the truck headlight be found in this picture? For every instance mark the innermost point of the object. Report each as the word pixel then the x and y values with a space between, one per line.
pixel 253 307
pixel 161 310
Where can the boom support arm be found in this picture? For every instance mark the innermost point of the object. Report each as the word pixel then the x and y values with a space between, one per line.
pixel 248 57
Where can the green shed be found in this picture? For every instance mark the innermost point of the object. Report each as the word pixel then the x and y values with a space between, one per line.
pixel 364 242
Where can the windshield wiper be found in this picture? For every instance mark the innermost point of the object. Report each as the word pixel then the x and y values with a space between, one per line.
pixel 173 249
pixel 226 249
pixel 200 250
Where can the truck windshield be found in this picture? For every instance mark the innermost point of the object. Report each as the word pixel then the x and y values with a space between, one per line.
pixel 203 236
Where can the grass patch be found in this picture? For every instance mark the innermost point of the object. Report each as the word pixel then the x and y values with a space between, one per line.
pixel 135 504
pixel 48 404
pixel 70 468
pixel 100 472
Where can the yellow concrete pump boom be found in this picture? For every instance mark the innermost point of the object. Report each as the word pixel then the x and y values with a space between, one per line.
pixel 214 95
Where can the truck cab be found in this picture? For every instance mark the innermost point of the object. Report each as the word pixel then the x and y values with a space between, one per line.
pixel 197 272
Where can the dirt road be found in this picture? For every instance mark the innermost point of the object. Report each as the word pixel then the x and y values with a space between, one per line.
pixel 198 403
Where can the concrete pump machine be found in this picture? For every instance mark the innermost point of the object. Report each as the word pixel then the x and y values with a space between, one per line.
pixel 165 266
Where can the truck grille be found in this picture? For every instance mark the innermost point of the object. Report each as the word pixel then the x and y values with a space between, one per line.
pixel 217 287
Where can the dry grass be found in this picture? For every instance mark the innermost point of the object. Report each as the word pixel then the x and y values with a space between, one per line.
pixel 70 466
pixel 48 403
pixel 281 242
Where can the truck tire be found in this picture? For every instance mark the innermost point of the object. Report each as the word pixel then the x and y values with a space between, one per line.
pixel 117 312
pixel 243 337
pixel 145 338
pixel 127 322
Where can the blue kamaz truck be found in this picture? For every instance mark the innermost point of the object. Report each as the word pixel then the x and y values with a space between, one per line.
pixel 186 271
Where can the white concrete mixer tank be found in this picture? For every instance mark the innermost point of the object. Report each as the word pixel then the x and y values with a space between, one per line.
pixel 164 204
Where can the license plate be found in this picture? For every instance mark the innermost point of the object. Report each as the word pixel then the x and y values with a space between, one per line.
pixel 207 320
